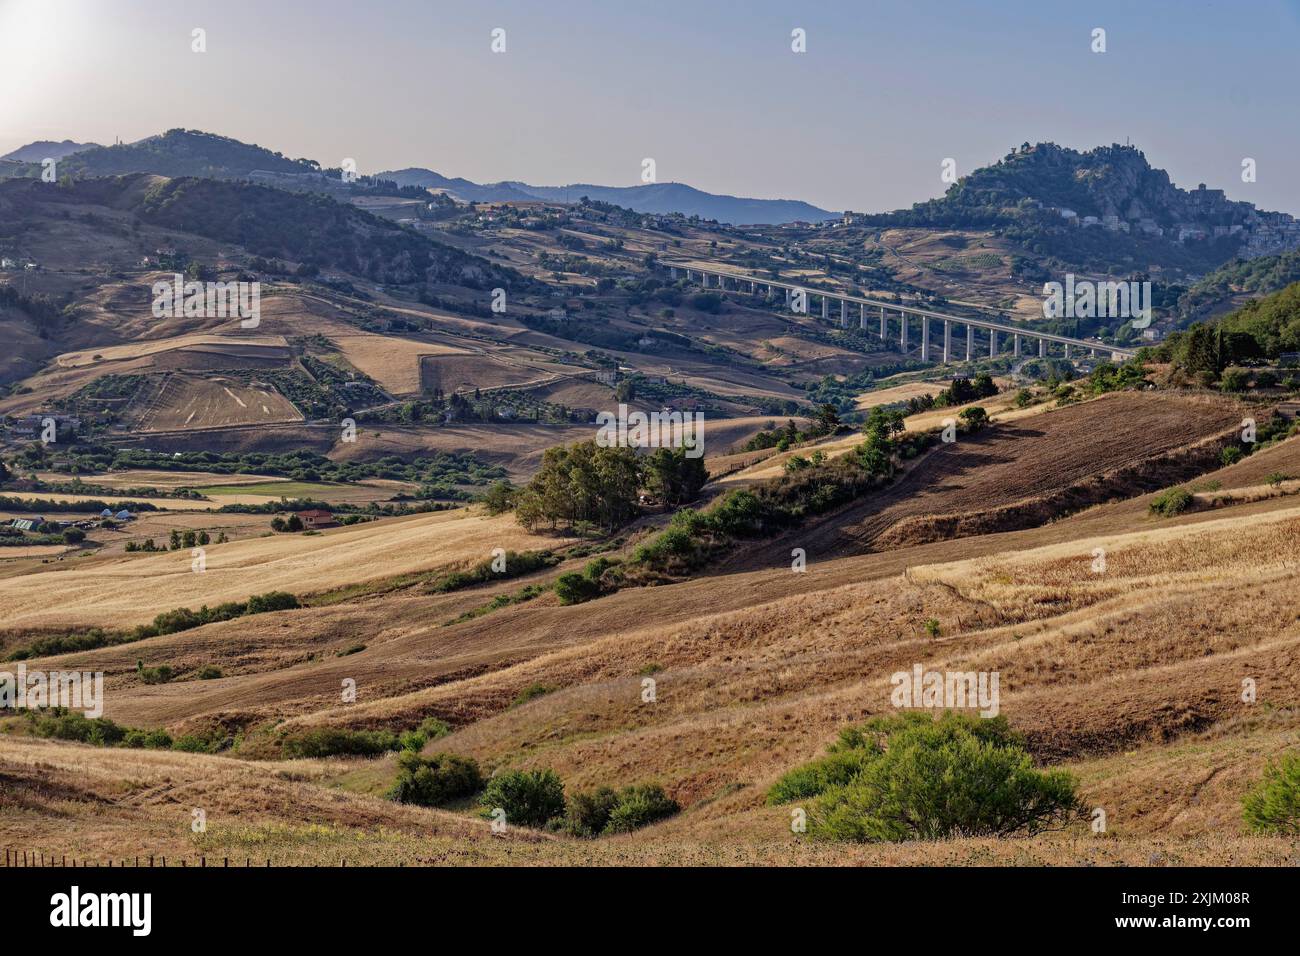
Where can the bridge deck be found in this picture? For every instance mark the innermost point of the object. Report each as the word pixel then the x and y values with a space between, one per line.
pixel 909 310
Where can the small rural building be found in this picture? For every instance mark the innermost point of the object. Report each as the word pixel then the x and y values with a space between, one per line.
pixel 317 518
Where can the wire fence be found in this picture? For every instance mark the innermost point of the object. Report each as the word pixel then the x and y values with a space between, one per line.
pixel 23 857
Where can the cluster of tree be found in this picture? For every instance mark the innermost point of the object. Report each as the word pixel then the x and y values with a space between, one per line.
pixel 959 392
pixel 692 537
pixel 439 409
pixel 1260 276
pixel 1262 328
pixel 843 392
pixel 1208 348
pixel 441 468
pixel 189 538
pixel 46 533
pixel 9 503
pixel 826 422
pixel 41 309
pixel 183 618
pixel 354 512
pixel 587 484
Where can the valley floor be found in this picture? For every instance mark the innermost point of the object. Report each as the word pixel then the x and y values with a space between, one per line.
pixel 1130 677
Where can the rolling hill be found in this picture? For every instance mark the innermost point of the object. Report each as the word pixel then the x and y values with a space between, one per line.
pixel 1129 680
pixel 654 198
pixel 46 149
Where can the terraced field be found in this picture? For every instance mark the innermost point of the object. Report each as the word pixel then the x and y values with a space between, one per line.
pixel 186 401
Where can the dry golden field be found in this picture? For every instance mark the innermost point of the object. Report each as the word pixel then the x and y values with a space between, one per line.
pixel 1128 674
pixel 190 402
pixel 132 591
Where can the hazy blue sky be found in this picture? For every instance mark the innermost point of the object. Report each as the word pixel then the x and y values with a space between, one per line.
pixel 710 90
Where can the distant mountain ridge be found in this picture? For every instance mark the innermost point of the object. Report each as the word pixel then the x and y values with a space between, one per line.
pixel 182 152
pixel 194 153
pixel 305 228
pixel 46 149
pixel 1115 186
pixel 652 198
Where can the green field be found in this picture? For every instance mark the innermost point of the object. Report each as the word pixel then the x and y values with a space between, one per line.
pixel 276 489
pixel 972 263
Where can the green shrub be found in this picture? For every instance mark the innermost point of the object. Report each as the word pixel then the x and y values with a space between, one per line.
pixel 1230 455
pixel 639 806
pixel 811 779
pixel 1170 502
pixel 201 743
pixel 1234 380
pixel 412 741
pixel 975 417
pixel 587 814
pixel 272 601
pixel 604 811
pixel 531 692
pixel 529 797
pixel 936 779
pixel 576 588
pixel 154 675
pixel 434 727
pixel 70 725
pixel 183 618
pixel 209 672
pixel 332 741
pixel 147 739
pixel 435 780
pixel 500 498
pixel 516 563
pixel 64 644
pixel 1273 805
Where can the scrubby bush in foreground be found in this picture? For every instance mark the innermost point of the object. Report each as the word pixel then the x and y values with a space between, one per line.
pixel 1170 502
pixel 578 587
pixel 332 741
pixel 436 780
pixel 604 811
pixel 1273 805
pixel 927 779
pixel 834 770
pixel 529 797
pixel 638 806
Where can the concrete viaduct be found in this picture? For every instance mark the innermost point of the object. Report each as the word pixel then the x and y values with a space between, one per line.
pixel 718 278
